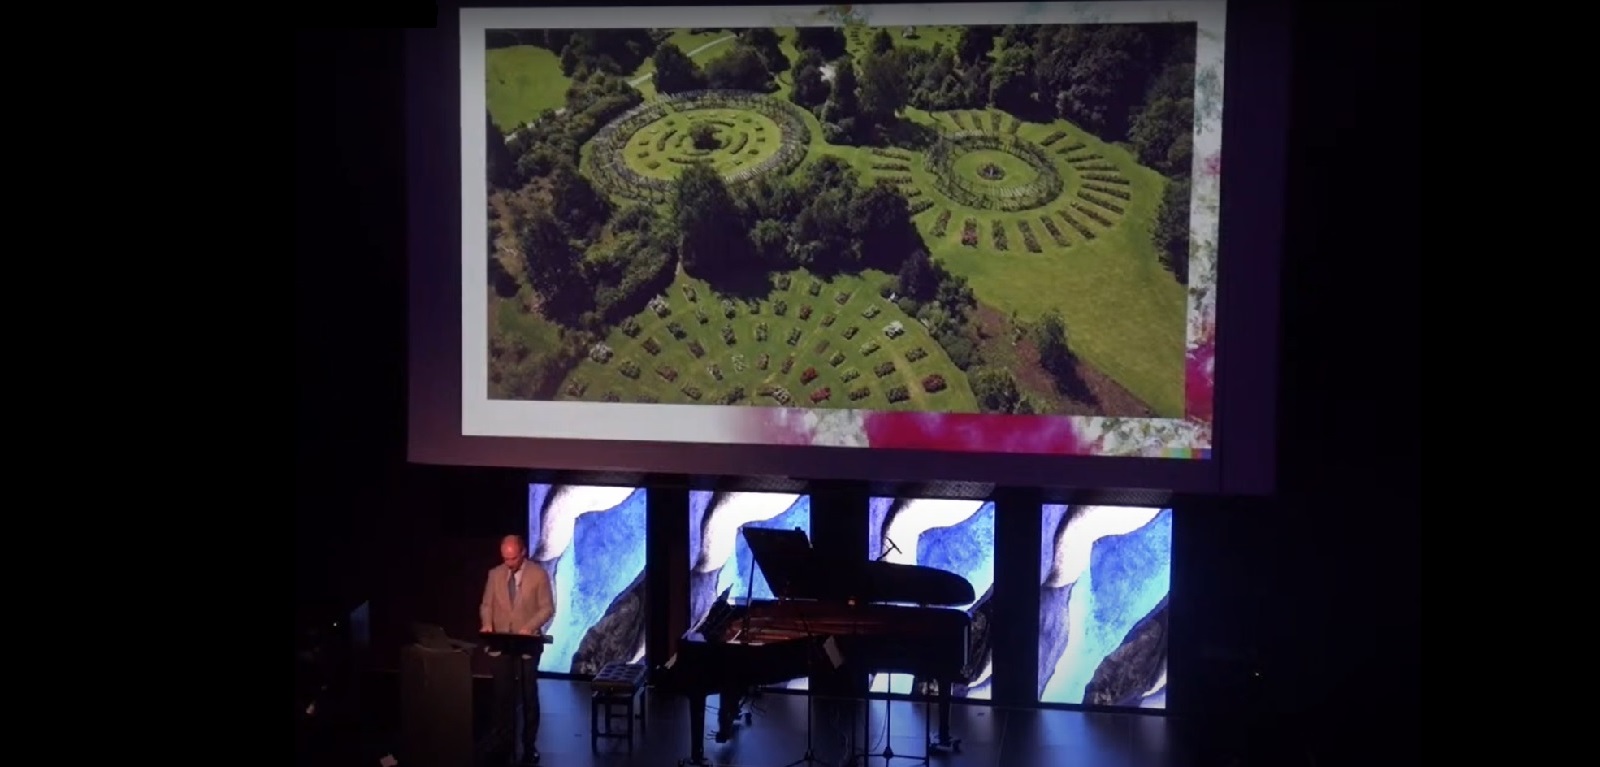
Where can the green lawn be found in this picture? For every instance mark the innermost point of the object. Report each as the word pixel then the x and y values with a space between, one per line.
pixel 700 46
pixel 524 81
pixel 662 149
pixel 818 342
pixel 1094 264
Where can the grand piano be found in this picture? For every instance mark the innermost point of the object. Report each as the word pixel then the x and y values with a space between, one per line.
pixel 829 615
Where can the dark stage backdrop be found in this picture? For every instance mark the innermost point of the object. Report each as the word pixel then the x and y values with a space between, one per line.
pixel 591 541
pixel 956 536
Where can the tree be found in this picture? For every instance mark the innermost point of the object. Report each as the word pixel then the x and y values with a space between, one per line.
pixel 674 71
pixel 1055 353
pixel 1011 80
pixel 843 105
pixel 1170 235
pixel 976 44
pixel 882 42
pixel 827 41
pixel 996 390
pixel 553 266
pixel 883 88
pixel 740 69
pixel 703 136
pixel 580 209
pixel 1162 132
pixel 765 41
pixel 712 235
pixel 810 89
pixel 499 164
pixel 880 223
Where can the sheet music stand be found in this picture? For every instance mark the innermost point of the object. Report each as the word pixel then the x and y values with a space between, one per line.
pixel 522 644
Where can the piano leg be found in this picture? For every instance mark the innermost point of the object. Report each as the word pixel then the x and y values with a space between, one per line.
pixel 697 733
pixel 944 740
pixel 729 705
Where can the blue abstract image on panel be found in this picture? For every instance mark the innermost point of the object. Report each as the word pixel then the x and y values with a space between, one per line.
pixel 719 557
pixel 590 539
pixel 956 536
pixel 1105 573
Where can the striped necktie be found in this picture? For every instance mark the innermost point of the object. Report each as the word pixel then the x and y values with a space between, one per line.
pixel 511 587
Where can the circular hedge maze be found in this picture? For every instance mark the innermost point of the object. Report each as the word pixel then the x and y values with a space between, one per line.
pixel 1002 189
pixel 741 135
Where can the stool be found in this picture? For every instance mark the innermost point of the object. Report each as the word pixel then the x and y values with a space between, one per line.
pixel 616 686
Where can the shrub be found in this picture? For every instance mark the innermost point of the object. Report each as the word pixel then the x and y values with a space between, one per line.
pixel 1092 214
pixel 1093 200
pixel 788 365
pixel 898 394
pixel 696 349
pixel 871 311
pixel 828 321
pixel 822 346
pixel 815 289
pixel 916 354
pixel 1077 226
pixel 859 393
pixel 692 392
pixel 821 395
pixel 688 293
pixel 933 383
pixel 941 224
pixel 667 373
pixel 805 312
pixel 630 327
pixel 1082 158
pixel 849 374
pixel 611 396
pixel 577 388
pixel 727 334
pixel 994 121
pixel 728 310
pixel 700 314
pixel 837 359
pixel 969 233
pixel 762 361
pixel 676 330
pixel 1069 149
pixel 920 206
pixel 1028 240
pixel 808 375
pixel 883 368
pixel 652 347
pixel 715 371
pixel 752 306
pixel 842 297
pixel 1055 231
pixel 1052 138
pixel 629 368
pixel 1104 178
pixel 780 308
pixel 794 336
pixel 783 282
pixel 997 233
pixel 734 395
pixel 869 348
pixel 851 332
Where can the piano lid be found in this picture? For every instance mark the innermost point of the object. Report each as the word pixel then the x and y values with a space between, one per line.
pixel 795 571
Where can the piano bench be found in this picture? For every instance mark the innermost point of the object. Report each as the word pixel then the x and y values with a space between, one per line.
pixel 616 692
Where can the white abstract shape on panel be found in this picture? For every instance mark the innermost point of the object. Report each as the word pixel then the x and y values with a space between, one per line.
pixel 561 514
pixel 1159 686
pixel 919 516
pixel 1090 524
pixel 722 522
pixel 982 677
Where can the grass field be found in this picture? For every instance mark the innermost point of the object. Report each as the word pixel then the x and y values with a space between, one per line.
pixel 830 334
pixel 524 81
pixel 1086 255
pixel 664 147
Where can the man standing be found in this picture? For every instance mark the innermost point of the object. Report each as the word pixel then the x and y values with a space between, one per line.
pixel 516 600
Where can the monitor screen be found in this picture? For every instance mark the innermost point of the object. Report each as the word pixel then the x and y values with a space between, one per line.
pixel 1104 577
pixel 956 536
pixel 591 541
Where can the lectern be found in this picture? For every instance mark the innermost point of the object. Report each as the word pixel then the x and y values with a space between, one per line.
pixel 436 704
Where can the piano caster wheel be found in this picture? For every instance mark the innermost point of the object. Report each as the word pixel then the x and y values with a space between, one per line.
pixel 952 745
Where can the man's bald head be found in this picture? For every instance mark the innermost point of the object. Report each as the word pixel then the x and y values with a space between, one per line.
pixel 513 551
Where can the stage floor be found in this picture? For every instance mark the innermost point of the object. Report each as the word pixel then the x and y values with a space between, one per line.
pixel 991 737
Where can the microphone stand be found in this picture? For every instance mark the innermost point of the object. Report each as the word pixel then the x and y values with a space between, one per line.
pixel 887 754
pixel 810 756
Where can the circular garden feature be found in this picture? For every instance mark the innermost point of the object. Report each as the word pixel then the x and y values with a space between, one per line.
pixel 739 134
pixel 998 172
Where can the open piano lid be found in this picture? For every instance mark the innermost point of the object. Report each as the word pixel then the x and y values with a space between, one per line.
pixel 795 571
